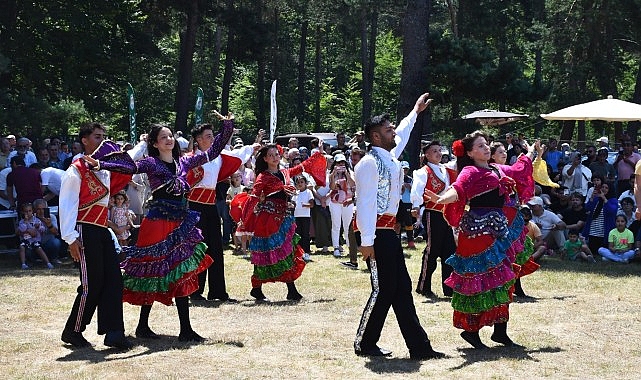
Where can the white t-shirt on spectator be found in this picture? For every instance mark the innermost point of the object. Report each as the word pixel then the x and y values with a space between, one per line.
pixel 546 221
pixel 29 158
pixel 302 198
pixel 52 178
pixel 3 187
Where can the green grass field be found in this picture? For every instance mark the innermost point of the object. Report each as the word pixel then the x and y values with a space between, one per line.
pixel 583 323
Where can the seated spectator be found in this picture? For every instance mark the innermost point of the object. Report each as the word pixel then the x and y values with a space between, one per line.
pixel 12 142
pixel 630 192
pixel 575 215
pixel 54 158
pixel 53 246
pixel 51 180
pixel 602 208
pixel 559 199
pixel 64 151
pixel 76 149
pixel 534 234
pixel 30 230
pixel 25 181
pixel 550 224
pixel 5 150
pixel 574 248
pixel 620 243
pixel 603 168
pixel 626 208
pixel 575 176
pixel 22 149
pixel 43 158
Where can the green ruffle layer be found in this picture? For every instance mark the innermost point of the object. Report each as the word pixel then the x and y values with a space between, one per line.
pixel 276 270
pixel 483 301
pixel 528 250
pixel 161 284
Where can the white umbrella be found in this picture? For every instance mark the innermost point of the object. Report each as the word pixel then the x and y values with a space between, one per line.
pixel 605 109
pixel 493 117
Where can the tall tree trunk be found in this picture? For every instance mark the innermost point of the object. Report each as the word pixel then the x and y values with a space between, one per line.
pixel 414 71
pixel 368 56
pixel 215 67
pixel 261 117
pixel 185 67
pixel 302 53
pixel 318 78
pixel 229 66
pixel 633 126
pixel 452 7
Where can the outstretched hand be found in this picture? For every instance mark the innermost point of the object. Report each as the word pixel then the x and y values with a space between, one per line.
pixel 230 116
pixel 422 102
pixel 91 161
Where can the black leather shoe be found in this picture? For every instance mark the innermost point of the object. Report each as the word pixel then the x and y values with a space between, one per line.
pixel 294 296
pixel 197 297
pixel 376 351
pixel 146 333
pixel 505 340
pixel 473 339
pixel 190 336
pixel 258 294
pixel 426 355
pixel 74 338
pixel 117 339
pixel 222 299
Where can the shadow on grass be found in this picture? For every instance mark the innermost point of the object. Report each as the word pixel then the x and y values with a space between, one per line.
pixel 149 346
pixel 392 365
pixel 610 269
pixel 472 356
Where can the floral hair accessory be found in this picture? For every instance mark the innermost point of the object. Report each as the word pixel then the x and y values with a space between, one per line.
pixel 458 148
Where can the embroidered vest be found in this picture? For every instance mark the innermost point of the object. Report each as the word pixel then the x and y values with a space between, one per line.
pixel 92 190
pixel 436 185
pixel 384 183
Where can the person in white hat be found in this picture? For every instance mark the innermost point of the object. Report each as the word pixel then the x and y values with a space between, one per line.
pixel 341 205
pixel 603 142
pixel 550 224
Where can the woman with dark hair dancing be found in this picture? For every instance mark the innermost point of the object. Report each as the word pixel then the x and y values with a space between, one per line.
pixel 490 237
pixel 169 253
pixel 275 252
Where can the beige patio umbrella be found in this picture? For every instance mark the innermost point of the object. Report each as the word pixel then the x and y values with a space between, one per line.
pixel 609 109
pixel 492 117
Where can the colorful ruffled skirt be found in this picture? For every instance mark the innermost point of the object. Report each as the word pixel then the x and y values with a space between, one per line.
pixel 275 252
pixel 167 257
pixel 490 245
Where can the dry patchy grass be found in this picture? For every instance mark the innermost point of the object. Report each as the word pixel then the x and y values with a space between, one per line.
pixel 582 324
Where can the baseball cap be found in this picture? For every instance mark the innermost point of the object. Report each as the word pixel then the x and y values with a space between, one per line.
pixel 405 165
pixel 535 201
pixel 603 139
pixel 340 157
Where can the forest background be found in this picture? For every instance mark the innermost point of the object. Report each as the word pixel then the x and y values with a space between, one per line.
pixel 337 62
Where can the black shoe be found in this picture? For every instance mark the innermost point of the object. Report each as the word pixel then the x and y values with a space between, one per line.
pixel 295 296
pixel 190 336
pixel 427 293
pixel 376 351
pixel 350 264
pixel 504 340
pixel 74 338
pixel 222 299
pixel 258 294
pixel 146 333
pixel 473 339
pixel 197 297
pixel 117 339
pixel 426 355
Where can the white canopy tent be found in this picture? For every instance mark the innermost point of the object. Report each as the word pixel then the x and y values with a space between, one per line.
pixel 605 109
pixel 493 117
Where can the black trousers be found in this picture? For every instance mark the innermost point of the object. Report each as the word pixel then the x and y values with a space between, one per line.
pixel 391 286
pixel 209 224
pixel 439 243
pixel 302 229
pixel 100 282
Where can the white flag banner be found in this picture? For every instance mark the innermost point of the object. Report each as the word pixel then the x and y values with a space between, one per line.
pixel 272 116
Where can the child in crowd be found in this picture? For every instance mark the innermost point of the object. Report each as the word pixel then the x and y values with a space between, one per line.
pixel 575 249
pixel 121 218
pixel 304 201
pixel 620 243
pixel 30 230
pixel 235 188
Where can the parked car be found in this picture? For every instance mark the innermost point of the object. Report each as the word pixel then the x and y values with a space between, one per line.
pixel 305 139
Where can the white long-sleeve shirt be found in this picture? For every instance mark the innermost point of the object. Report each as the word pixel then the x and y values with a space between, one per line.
pixel 420 181
pixel 366 177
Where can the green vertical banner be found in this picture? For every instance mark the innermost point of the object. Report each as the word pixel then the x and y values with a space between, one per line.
pixel 198 110
pixel 132 114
